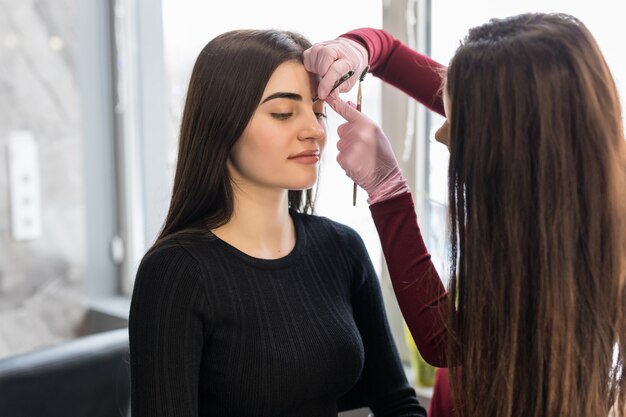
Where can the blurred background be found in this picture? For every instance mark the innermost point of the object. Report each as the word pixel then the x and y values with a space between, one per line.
pixel 91 93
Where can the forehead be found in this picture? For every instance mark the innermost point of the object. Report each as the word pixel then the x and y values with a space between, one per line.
pixel 446 97
pixel 290 76
pixel 446 102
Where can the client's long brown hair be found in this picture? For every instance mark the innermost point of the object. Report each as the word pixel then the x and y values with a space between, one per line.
pixel 537 181
pixel 226 86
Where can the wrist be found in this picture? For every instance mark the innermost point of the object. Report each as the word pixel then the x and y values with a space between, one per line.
pixel 394 185
pixel 358 40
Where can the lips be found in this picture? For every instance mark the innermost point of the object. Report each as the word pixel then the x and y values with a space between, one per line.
pixel 307 157
pixel 306 154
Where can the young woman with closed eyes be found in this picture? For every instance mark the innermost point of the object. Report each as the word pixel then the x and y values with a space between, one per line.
pixel 248 304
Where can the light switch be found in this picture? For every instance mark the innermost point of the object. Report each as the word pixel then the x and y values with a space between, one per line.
pixel 24 186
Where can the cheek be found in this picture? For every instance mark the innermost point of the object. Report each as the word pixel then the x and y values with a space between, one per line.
pixel 256 139
pixel 237 156
pixel 248 155
pixel 257 151
pixel 322 141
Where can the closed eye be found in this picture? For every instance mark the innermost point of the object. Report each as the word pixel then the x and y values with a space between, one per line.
pixel 320 115
pixel 281 116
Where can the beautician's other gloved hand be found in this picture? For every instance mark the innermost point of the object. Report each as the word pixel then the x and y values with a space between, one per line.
pixel 332 59
pixel 366 155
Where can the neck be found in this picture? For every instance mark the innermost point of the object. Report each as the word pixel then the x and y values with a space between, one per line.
pixel 260 225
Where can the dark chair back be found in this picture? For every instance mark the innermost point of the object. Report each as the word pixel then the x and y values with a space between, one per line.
pixel 86 377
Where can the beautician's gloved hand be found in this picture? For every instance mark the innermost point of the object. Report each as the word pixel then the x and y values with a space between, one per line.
pixel 332 59
pixel 366 155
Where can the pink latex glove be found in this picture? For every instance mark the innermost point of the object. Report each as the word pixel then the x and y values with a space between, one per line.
pixel 331 60
pixel 366 155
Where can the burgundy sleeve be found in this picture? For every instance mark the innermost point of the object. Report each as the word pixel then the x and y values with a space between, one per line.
pixel 421 295
pixel 397 64
pixel 441 403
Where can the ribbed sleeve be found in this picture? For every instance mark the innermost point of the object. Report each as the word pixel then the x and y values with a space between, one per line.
pixel 421 295
pixel 166 334
pixel 395 63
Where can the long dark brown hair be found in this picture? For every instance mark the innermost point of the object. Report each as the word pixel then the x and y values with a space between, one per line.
pixel 537 181
pixel 226 87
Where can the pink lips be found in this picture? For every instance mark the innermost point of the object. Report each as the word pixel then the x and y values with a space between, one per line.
pixel 306 157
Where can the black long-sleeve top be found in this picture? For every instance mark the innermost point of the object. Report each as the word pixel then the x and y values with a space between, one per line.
pixel 216 332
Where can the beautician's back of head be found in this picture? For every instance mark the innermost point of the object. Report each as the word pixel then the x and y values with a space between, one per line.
pixel 538 215
pixel 226 86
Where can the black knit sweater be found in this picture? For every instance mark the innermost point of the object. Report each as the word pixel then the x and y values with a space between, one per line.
pixel 216 332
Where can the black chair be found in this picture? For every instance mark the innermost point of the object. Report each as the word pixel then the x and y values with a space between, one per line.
pixel 86 377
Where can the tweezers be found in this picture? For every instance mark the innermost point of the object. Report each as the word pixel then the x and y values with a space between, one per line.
pixel 340 81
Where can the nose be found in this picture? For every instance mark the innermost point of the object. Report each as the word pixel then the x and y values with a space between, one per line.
pixel 312 128
pixel 443 133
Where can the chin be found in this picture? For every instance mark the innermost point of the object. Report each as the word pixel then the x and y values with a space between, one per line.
pixel 302 185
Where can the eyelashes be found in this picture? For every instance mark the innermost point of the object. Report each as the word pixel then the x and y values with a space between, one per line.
pixel 281 116
pixel 285 116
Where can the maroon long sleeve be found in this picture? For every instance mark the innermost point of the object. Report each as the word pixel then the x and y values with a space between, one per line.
pixel 397 64
pixel 421 295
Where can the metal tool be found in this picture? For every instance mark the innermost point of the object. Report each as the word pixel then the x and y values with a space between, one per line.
pixel 359 101
pixel 340 81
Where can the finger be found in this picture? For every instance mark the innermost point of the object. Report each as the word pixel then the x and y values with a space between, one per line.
pixel 318 58
pixel 341 160
pixel 342 145
pixel 343 66
pixel 344 109
pixel 335 71
pixel 349 165
pixel 349 145
pixel 343 129
pixel 333 94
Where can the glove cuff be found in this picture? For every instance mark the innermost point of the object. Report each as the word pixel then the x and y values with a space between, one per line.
pixel 394 185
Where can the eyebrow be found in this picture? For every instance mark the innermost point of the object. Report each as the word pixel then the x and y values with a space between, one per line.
pixel 291 96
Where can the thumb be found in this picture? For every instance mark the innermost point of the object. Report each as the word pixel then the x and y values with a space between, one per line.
pixel 345 110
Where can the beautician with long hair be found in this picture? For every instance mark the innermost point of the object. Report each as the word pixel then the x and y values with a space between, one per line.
pixel 535 315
